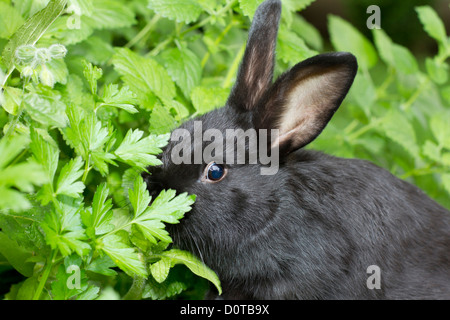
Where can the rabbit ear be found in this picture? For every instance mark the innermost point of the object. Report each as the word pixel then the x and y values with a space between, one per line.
pixel 256 70
pixel 302 101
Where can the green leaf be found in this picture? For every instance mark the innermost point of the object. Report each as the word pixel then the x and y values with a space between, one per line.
pixel 437 70
pixel 10 20
pixel 144 76
pixel 292 48
pixel 307 31
pixel 16 255
pixel 46 110
pixel 384 46
pixel 122 99
pixel 404 60
pixel 67 183
pixel 397 127
pixel 160 270
pixel 440 128
pixel 165 208
pixel 64 287
pixel 92 74
pixel 185 11
pixel 32 29
pixel 161 120
pixel 432 151
pixel 140 152
pixel 248 7
pixel 346 37
pixel 111 14
pixel 432 23
pixel 125 257
pixel 177 256
pixel 102 265
pixel 184 67
pixel 11 147
pixel 139 196
pixel 101 211
pixel 63 227
pixel 45 151
pixel 206 99
pixel 168 208
pixel 12 99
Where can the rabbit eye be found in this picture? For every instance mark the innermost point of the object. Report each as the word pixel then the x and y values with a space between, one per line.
pixel 214 172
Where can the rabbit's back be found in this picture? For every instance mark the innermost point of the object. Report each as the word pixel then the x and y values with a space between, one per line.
pixel 345 215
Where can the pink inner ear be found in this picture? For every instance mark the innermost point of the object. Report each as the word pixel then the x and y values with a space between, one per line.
pixel 309 101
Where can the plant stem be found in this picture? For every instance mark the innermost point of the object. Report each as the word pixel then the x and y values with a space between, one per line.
pixel 218 40
pixel 86 169
pixel 143 32
pixel 135 292
pixel 234 66
pixel 44 277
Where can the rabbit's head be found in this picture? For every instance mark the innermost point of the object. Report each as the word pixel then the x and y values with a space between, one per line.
pixel 235 202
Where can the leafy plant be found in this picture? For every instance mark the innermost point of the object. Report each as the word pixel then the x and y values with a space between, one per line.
pixel 90 91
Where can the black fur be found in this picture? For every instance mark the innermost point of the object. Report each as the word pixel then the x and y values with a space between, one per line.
pixel 311 230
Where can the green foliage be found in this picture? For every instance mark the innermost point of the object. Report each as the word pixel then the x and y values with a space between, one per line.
pixel 89 91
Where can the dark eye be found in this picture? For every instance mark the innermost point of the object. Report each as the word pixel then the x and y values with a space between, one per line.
pixel 214 172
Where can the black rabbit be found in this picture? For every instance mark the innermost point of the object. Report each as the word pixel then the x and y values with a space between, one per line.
pixel 312 230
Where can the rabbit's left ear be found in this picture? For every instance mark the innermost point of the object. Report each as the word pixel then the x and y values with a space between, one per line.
pixel 302 101
pixel 255 73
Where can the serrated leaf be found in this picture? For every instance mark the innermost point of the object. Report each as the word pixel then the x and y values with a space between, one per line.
pixel 161 120
pixel 92 74
pixel 123 98
pixel 32 29
pixel 67 183
pixel 123 256
pixel 63 227
pixel 184 67
pixel 160 269
pixel 110 14
pixel 102 265
pixel 101 211
pixel 248 7
pixel 346 37
pixel 139 196
pixel 432 23
pixel 400 130
pixel 165 208
pixel 291 48
pixel 138 151
pixel 168 208
pixel 144 76
pixel 206 99
pixel 185 11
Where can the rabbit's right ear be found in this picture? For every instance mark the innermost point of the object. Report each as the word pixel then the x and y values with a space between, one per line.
pixel 256 70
